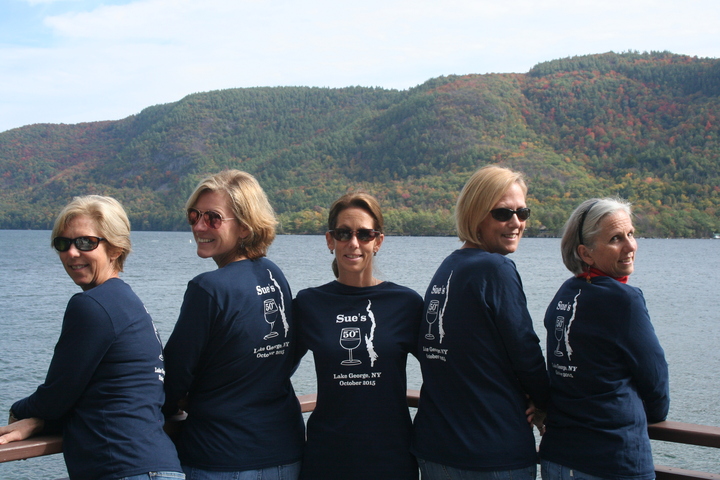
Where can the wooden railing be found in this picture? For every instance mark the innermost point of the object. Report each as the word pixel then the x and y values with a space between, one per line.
pixel 676 432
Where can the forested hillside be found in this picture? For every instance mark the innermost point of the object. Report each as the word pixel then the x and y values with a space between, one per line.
pixel 642 126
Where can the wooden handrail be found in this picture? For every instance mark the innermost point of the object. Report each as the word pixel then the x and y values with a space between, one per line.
pixel 677 432
pixel 686 433
pixel 33 447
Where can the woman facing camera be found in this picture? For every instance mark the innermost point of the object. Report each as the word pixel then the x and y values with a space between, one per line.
pixel 230 356
pixel 480 357
pixel 104 387
pixel 360 330
pixel 608 374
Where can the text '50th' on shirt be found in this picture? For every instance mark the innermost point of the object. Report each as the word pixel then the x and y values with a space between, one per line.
pixel 232 354
pixel 480 357
pixel 608 377
pixel 360 339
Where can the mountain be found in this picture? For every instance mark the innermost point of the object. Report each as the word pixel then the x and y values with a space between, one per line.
pixel 644 126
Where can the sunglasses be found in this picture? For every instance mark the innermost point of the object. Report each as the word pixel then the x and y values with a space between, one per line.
pixel 345 234
pixel 212 218
pixel 505 214
pixel 84 244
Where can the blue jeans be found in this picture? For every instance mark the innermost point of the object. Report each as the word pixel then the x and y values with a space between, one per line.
pixel 156 476
pixel 555 471
pixel 281 472
pixel 437 471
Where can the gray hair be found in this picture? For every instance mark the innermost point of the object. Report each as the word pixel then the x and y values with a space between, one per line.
pixel 588 216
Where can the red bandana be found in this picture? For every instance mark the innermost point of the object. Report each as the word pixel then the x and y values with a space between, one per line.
pixel 594 272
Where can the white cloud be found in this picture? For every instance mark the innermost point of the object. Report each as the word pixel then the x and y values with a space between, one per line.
pixel 112 61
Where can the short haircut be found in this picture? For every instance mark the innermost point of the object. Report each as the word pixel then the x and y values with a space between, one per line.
pixel 479 195
pixel 590 213
pixel 108 217
pixel 249 205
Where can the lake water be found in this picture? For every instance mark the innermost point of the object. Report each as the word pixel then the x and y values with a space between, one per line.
pixel 679 279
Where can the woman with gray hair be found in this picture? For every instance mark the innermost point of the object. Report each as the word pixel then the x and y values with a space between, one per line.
pixel 608 374
pixel 104 387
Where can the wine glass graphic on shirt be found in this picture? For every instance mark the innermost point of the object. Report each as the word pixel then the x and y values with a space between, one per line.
pixel 271 312
pixel 350 339
pixel 559 332
pixel 431 315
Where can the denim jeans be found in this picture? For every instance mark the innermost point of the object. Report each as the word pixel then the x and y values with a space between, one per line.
pixel 281 472
pixel 157 476
pixel 555 471
pixel 437 471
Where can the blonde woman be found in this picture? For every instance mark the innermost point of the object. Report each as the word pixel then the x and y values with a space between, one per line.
pixel 104 387
pixel 230 356
pixel 480 357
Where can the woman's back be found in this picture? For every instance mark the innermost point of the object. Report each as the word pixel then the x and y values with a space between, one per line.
pixel 231 351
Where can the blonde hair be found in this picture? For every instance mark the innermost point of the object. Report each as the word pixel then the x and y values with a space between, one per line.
pixel 479 195
pixel 249 205
pixel 109 218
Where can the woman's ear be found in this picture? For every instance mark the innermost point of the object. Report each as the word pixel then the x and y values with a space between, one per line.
pixel 585 255
pixel 330 241
pixel 244 231
pixel 378 242
pixel 113 254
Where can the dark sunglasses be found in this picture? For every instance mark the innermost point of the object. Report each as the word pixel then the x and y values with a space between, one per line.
pixel 84 244
pixel 345 234
pixel 212 218
pixel 505 214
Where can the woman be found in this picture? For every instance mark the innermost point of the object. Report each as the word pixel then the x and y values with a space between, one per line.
pixel 608 374
pixel 479 355
pixel 104 387
pixel 360 330
pixel 230 356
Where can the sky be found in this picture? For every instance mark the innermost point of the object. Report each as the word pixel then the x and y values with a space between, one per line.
pixel 74 61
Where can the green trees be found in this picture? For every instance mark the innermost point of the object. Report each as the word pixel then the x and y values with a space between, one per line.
pixel 641 125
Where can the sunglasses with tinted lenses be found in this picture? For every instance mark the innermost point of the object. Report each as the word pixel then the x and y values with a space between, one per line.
pixel 84 244
pixel 345 234
pixel 505 214
pixel 212 218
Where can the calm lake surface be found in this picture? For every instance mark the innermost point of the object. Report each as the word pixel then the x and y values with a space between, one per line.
pixel 679 279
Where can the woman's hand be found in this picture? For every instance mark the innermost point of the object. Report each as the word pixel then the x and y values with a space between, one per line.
pixel 536 417
pixel 21 429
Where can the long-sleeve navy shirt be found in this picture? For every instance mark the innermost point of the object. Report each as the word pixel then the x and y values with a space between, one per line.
pixel 105 387
pixel 360 338
pixel 480 357
pixel 232 353
pixel 608 377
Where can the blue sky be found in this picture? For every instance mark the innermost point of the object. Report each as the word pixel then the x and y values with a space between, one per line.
pixel 73 61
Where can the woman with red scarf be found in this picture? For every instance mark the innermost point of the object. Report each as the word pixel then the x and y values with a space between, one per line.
pixel 608 374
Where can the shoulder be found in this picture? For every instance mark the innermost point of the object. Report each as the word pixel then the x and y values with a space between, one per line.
pixel 314 292
pixel 109 305
pixel 472 258
pixel 108 294
pixel 401 291
pixel 617 292
pixel 619 304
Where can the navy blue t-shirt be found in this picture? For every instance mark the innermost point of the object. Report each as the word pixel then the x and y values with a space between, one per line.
pixel 105 386
pixel 360 339
pixel 232 353
pixel 608 377
pixel 480 357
